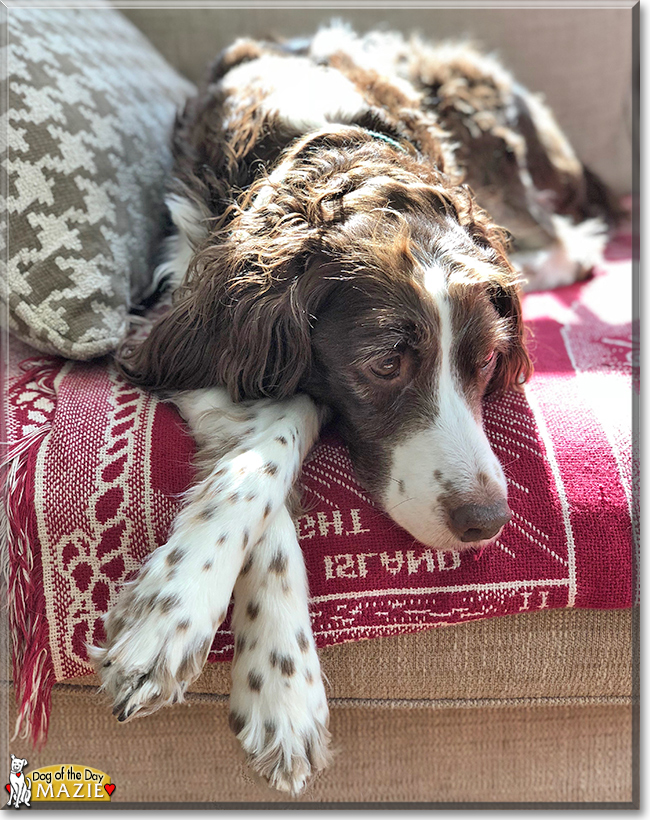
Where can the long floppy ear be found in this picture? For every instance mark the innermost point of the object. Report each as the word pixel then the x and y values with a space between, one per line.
pixel 514 366
pixel 243 321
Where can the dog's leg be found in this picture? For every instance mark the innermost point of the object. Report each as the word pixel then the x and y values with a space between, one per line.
pixel 160 631
pixel 278 704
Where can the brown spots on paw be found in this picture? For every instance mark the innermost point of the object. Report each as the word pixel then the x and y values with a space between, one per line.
pixel 252 610
pixel 270 731
pixel 233 498
pixel 183 626
pixel 236 722
pixel 168 602
pixel 278 563
pixel 281 440
pixel 287 666
pixel 207 513
pixel 174 557
pixel 250 497
pixel 247 566
pixel 221 540
pixel 240 644
pixel 207 566
pixel 270 468
pixel 267 509
pixel 255 681
pixel 303 641
pixel 245 540
pixel 309 677
pixel 285 662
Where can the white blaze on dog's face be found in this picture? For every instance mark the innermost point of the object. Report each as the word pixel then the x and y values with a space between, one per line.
pixel 405 354
pixel 446 484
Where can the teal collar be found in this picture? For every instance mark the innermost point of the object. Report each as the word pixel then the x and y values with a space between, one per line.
pixel 378 136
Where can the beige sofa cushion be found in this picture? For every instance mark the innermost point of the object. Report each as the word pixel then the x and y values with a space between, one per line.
pixel 571 655
pixel 581 59
pixel 187 755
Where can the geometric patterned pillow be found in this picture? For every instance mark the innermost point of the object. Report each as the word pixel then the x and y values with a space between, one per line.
pixel 91 107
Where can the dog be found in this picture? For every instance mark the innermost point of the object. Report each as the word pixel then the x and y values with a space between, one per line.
pixel 350 221
pixel 21 786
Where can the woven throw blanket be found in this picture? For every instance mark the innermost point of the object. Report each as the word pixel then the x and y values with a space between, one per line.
pixel 97 468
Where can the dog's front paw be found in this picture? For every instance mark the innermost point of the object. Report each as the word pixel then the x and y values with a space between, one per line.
pixel 155 648
pixel 278 710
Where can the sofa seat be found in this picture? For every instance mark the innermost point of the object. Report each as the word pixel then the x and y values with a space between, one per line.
pixel 526 708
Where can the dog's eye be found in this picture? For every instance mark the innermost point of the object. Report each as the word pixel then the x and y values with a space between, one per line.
pixel 388 367
pixel 487 361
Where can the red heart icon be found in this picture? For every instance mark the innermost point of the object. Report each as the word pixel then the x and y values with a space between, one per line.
pixel 110 788
pixel 8 787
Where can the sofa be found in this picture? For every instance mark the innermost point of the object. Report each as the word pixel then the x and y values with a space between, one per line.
pixel 535 709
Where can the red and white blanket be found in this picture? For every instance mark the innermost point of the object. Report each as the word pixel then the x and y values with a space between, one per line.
pixel 96 469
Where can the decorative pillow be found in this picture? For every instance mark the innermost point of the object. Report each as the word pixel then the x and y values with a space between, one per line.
pixel 565 445
pixel 90 110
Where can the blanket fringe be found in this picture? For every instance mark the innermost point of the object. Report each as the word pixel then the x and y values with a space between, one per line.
pixel 33 671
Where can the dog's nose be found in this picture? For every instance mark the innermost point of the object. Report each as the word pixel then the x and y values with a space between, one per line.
pixel 474 522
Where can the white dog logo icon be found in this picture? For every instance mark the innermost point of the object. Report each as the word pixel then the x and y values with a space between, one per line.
pixel 21 786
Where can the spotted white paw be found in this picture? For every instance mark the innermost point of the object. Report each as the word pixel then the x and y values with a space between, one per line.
pixel 155 648
pixel 278 707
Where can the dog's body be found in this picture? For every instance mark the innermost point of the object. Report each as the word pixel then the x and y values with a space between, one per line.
pixel 331 260
pixel 21 786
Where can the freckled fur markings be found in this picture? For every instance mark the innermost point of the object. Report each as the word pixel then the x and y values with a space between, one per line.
pixel 270 730
pixel 281 439
pixel 174 556
pixel 255 681
pixel 207 512
pixel 267 510
pixel 303 643
pixel 168 603
pixel 270 468
pixel 279 563
pixel 252 610
pixel 287 666
pixel 236 722
pixel 247 566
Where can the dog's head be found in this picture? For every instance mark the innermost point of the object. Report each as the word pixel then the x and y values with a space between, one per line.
pixel 361 276
pixel 17 764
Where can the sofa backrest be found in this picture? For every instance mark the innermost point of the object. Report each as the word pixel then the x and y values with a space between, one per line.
pixel 580 59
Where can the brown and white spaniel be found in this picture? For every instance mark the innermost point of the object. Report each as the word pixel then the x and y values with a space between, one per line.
pixel 336 253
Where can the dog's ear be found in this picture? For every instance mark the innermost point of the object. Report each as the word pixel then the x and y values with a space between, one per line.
pixel 514 366
pixel 243 321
